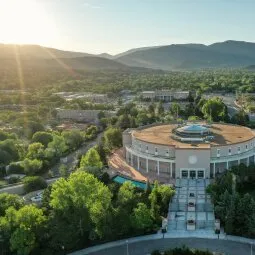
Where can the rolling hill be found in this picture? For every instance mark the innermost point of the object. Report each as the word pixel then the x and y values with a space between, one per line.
pixel 192 56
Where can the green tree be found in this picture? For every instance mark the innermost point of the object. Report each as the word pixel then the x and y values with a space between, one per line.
pixel 113 138
pixel 215 110
pixel 9 200
pixel 35 151
pixel 24 228
pixel 73 139
pixel 91 159
pixel 32 183
pixel 63 171
pixel 32 167
pixel 58 146
pixel 82 191
pixel 141 218
pixel 42 137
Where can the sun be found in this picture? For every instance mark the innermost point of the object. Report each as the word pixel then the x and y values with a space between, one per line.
pixel 25 22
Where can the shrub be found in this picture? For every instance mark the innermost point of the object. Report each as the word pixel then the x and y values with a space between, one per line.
pixel 32 183
pixel 13 180
pixel 15 168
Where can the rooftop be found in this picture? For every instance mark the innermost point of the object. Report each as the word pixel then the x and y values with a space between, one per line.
pixel 223 135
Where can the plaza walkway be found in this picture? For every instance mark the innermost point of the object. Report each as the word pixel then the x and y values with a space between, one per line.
pixel 191 203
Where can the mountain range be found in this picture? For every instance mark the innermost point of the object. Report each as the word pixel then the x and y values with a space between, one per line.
pixel 228 54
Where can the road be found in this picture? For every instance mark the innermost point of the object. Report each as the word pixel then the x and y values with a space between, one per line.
pixel 146 247
pixel 70 163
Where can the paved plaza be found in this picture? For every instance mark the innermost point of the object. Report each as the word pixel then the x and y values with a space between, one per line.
pixel 191 204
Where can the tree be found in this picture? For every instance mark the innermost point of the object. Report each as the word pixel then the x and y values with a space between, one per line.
pixel 63 171
pixel 91 159
pixel 81 191
pixel 25 228
pixel 9 200
pixel 32 167
pixel 42 137
pixel 35 151
pixel 73 139
pixel 113 138
pixel 141 218
pixel 58 145
pixel 142 119
pixel 215 110
pixel 160 109
pixel 175 109
pixel 151 109
pixel 33 183
pixel 240 118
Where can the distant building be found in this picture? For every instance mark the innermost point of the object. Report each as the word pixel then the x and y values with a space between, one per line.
pixel 165 95
pixel 82 115
pixel 94 98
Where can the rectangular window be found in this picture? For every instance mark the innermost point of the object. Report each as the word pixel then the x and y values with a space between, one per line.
pixel 156 151
pixel 246 147
pixel 229 151
pixel 251 144
pixel 140 147
pixel 238 149
pixel 146 148
pixel 167 153
pixel 218 152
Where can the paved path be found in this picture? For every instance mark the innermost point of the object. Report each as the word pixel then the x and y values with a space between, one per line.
pixel 146 244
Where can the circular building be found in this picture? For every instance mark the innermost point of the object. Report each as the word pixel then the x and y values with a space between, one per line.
pixel 190 150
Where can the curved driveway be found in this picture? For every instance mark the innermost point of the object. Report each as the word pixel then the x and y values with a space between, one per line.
pixel 145 247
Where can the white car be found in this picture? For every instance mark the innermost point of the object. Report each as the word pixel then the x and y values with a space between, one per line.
pixel 37 197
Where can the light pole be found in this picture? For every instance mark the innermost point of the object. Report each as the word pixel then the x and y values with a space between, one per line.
pixel 127 247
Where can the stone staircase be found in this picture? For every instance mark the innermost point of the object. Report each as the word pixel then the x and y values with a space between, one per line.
pixel 191 191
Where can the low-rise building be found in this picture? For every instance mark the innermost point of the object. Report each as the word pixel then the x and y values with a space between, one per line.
pixel 82 115
pixel 165 95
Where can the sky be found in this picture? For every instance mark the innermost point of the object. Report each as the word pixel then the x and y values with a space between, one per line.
pixel 114 26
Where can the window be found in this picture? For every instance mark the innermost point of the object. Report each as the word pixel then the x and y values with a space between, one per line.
pixel 238 149
pixel 167 153
pixel 246 147
pixel 147 148
pixel 140 147
pixel 156 151
pixel 218 152
pixel 229 151
pixel 251 144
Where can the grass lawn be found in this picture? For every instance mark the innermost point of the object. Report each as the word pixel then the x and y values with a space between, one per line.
pixel 2 182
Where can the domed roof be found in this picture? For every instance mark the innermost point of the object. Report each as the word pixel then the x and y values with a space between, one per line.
pixel 193 128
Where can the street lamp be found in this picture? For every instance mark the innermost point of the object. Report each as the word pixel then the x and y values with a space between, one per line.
pixel 127 247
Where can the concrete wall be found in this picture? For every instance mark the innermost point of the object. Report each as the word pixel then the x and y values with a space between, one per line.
pixel 224 150
pixel 163 150
pixel 184 160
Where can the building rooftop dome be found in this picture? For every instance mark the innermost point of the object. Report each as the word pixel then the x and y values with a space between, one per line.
pixel 193 128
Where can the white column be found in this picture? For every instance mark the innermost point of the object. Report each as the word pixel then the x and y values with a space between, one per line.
pixel 227 165
pixel 138 163
pixel 238 161
pixel 158 167
pixel 147 168
pixel 171 169
pixel 213 170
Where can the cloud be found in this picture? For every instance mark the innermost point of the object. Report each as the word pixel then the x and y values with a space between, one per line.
pixel 92 6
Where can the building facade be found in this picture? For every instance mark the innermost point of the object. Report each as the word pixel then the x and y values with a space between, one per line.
pixel 190 150
pixel 165 95
pixel 82 115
